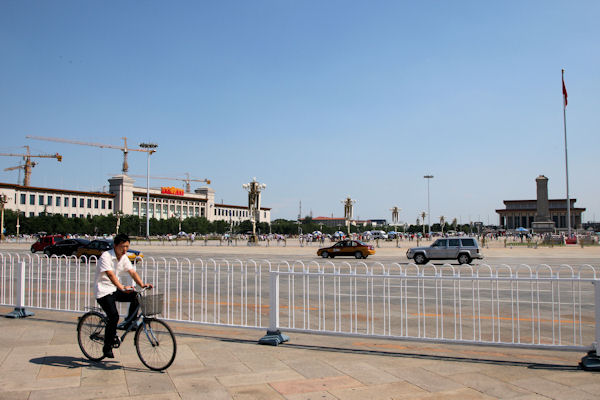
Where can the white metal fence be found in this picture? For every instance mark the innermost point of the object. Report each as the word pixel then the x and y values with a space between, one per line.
pixel 542 307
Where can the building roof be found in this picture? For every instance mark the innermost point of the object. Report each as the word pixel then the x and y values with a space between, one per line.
pixel 58 191
pixel 169 196
pixel 240 207
pixel 535 200
pixel 513 210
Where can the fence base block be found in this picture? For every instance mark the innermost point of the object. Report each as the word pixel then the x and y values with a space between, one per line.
pixel 274 338
pixel 591 362
pixel 19 312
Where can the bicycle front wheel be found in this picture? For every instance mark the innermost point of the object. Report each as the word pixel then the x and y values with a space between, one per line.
pixel 155 344
pixel 90 335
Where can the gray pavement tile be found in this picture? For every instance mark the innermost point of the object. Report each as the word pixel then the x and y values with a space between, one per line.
pixel 217 355
pixel 312 368
pixel 18 395
pixel 311 396
pixel 593 388
pixel 489 386
pixel 450 367
pixel 85 393
pixel 161 396
pixel 541 386
pixel 426 380
pixel 95 376
pixel 574 394
pixel 315 385
pixel 258 378
pixel 510 373
pixel 4 351
pixel 205 395
pixel 458 394
pixel 574 378
pixel 204 386
pixel 364 372
pixel 19 381
pixel 388 391
pixel 255 392
pixel 146 383
pixel 185 359
pixel 223 370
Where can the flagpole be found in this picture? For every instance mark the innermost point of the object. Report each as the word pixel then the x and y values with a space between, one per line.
pixel 566 156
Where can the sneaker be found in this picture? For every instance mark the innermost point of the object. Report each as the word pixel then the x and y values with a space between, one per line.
pixel 108 353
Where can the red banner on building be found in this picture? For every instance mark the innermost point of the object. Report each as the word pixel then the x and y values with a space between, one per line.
pixel 171 190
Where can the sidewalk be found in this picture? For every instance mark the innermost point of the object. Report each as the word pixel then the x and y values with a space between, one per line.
pixel 40 359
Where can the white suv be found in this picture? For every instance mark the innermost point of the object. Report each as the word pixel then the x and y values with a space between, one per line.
pixel 463 249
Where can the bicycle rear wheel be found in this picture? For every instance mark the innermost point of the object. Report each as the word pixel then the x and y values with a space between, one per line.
pixel 155 344
pixel 90 335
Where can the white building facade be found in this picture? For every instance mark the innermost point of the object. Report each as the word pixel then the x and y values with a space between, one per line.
pixel 123 197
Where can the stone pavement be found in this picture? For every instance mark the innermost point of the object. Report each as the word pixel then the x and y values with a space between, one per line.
pixel 40 359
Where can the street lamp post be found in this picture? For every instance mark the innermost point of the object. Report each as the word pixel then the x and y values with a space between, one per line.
pixel 395 214
pixel 18 225
pixel 428 177
pixel 348 211
pixel 150 148
pixel 3 201
pixel 254 188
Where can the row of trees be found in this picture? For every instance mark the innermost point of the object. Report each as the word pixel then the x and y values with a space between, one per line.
pixel 135 226
pixel 101 224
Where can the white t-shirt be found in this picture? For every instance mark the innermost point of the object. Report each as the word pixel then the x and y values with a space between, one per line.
pixel 108 262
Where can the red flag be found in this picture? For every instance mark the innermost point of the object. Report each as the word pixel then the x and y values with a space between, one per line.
pixel 564 87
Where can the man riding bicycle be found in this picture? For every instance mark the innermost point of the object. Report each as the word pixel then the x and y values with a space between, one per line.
pixel 108 289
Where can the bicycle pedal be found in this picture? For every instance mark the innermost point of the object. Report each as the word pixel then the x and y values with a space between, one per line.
pixel 117 342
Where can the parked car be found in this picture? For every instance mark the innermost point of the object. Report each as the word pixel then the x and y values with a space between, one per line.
pixel 45 241
pixel 379 235
pixel 463 249
pixel 354 248
pixel 65 247
pixel 97 247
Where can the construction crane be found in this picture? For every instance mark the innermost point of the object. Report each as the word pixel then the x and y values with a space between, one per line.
pixel 28 163
pixel 20 167
pixel 187 180
pixel 123 148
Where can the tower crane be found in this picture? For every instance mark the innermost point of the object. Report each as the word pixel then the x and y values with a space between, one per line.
pixel 20 167
pixel 28 163
pixel 123 148
pixel 187 180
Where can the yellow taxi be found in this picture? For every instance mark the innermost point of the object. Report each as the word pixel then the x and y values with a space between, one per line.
pixel 353 248
pixel 97 247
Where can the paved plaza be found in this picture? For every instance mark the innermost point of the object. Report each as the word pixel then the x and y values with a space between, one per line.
pixel 40 358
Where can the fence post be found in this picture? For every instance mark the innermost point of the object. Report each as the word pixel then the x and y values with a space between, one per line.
pixel 274 336
pixel 20 311
pixel 591 362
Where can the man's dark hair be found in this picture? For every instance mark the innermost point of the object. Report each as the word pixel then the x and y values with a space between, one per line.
pixel 120 238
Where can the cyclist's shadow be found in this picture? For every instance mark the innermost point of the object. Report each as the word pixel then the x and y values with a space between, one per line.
pixel 80 362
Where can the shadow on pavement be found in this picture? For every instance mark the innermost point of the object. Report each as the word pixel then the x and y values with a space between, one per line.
pixel 80 362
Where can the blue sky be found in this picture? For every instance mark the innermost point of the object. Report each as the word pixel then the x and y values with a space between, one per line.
pixel 318 99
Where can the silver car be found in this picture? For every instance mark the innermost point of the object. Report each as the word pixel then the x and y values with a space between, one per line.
pixel 464 250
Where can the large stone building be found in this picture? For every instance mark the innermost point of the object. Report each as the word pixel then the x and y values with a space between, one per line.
pixel 541 214
pixel 127 199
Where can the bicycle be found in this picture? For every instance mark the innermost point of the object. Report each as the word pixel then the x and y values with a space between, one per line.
pixel 154 340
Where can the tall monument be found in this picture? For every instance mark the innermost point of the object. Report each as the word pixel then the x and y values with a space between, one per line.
pixel 542 223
